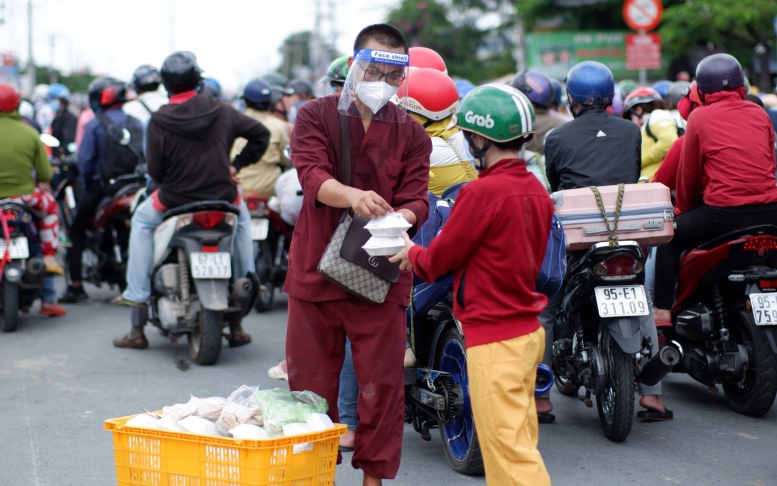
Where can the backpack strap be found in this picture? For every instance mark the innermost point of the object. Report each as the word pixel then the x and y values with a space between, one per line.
pixel 649 132
pixel 107 123
pixel 145 106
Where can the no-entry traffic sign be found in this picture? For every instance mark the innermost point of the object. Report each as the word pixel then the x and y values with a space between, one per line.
pixel 642 15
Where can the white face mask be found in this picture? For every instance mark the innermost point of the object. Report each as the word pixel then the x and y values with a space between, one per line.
pixel 375 95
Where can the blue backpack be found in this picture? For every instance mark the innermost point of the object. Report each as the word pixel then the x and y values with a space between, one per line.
pixel 554 265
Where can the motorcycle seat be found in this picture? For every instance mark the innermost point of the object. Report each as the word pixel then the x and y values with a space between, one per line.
pixel 202 206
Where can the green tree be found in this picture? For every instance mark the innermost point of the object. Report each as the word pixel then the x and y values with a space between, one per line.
pixel 296 52
pixel 451 30
pixel 77 82
pixel 743 29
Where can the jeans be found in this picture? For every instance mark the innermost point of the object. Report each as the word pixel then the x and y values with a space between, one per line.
pixel 141 249
pixel 48 293
pixel 349 390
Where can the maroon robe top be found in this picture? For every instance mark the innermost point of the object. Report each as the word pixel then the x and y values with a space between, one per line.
pixel 391 159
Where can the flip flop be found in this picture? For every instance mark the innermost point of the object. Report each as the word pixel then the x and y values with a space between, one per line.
pixel 655 416
pixel 345 449
pixel 546 418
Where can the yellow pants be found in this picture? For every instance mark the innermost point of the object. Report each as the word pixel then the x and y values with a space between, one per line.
pixel 501 383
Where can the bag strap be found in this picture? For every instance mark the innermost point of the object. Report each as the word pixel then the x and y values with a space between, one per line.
pixel 618 205
pixel 107 123
pixel 649 132
pixel 145 106
pixel 465 164
pixel 344 171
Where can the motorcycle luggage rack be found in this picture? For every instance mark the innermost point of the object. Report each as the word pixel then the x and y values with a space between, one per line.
pixel 202 206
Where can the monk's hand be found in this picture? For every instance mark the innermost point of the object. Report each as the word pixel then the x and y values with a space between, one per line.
pixel 233 175
pixel 404 256
pixel 368 203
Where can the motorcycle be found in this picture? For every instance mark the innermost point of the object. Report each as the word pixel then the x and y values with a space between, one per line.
pixel 725 317
pixel 191 277
pixel 272 240
pixel 21 270
pixel 437 389
pixel 597 342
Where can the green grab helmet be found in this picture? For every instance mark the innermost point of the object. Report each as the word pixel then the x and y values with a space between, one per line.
pixel 497 112
pixel 337 71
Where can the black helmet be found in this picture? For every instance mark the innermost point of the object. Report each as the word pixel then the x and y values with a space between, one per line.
pixel 180 72
pixel 275 79
pixel 146 78
pixel 107 92
pixel 676 92
pixel 718 72
pixel 257 93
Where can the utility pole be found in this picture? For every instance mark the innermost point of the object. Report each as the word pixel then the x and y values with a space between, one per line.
pixel 171 25
pixel 52 72
pixel 30 59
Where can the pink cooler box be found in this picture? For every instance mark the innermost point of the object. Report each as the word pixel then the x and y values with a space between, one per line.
pixel 647 215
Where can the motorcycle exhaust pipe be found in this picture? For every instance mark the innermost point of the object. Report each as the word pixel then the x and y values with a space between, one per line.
pixel 661 364
pixel 242 292
pixel 33 271
pixel 544 380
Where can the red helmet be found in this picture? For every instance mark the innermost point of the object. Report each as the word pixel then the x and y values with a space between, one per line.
pixel 9 98
pixel 640 96
pixel 430 93
pixel 423 57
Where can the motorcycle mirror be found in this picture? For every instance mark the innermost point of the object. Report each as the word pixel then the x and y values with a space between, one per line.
pixel 49 141
pixel 72 147
pixel 121 135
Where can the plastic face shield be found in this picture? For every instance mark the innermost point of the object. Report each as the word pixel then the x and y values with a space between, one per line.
pixel 375 78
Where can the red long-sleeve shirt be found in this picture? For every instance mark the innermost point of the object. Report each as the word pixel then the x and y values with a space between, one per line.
pixel 391 159
pixel 494 243
pixel 727 155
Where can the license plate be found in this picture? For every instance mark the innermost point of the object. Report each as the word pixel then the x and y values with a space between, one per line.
pixel 216 265
pixel 764 309
pixel 259 228
pixel 621 301
pixel 19 248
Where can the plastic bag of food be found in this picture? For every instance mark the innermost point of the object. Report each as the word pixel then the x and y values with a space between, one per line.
pixel 280 407
pixel 145 420
pixel 287 188
pixel 242 407
pixel 208 408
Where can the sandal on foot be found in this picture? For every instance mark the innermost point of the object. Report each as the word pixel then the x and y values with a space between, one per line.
pixel 277 373
pixel 238 338
pixel 655 415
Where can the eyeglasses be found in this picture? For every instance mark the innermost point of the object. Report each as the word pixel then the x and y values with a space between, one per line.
pixel 393 79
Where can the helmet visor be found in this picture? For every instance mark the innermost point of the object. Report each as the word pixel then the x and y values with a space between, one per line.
pixel 373 81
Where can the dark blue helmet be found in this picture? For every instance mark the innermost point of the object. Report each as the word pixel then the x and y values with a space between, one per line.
pixel 662 87
pixel 535 86
pixel 257 92
pixel 590 83
pixel 718 72
pixel 212 87
pixel 146 78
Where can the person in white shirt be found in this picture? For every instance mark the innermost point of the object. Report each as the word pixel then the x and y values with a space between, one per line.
pixel 145 81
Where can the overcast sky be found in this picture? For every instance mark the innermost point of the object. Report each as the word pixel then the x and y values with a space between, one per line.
pixel 234 40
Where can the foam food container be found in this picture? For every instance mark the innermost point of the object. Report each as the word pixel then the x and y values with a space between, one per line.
pixel 169 423
pixel 198 425
pixel 144 420
pixel 384 245
pixel 392 224
pixel 319 421
pixel 298 429
pixel 250 431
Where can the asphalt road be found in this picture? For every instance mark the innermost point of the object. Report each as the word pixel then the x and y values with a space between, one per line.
pixel 61 378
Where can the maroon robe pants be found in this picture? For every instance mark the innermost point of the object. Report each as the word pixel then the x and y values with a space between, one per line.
pixel 315 348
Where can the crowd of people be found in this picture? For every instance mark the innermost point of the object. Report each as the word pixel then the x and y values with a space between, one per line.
pixel 412 130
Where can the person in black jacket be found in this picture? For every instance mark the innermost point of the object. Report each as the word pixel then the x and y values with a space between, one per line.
pixel 594 149
pixel 63 127
pixel 187 154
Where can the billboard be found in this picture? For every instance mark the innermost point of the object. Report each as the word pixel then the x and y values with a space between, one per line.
pixel 554 53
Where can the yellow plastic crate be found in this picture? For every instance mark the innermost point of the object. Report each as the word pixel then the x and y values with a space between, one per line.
pixel 149 457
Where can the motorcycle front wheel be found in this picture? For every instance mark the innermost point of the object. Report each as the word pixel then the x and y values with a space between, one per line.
pixel 10 306
pixel 616 403
pixel 459 437
pixel 266 297
pixel 205 341
pixel 755 395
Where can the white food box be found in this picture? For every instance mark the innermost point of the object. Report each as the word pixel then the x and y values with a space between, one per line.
pixel 319 421
pixel 198 425
pixel 169 423
pixel 250 431
pixel 392 224
pixel 144 420
pixel 298 429
pixel 384 245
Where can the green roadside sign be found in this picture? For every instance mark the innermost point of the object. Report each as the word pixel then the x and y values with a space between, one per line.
pixel 554 53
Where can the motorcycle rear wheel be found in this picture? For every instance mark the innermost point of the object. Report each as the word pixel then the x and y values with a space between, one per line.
pixel 616 404
pixel 205 341
pixel 266 298
pixel 459 437
pixel 10 306
pixel 756 395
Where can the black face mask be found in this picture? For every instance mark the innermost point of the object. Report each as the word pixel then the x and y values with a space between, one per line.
pixel 478 152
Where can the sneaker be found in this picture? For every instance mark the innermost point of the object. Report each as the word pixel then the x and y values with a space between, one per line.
pixel 52 266
pixel 73 295
pixel 277 373
pixel 52 309
pixel 64 241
